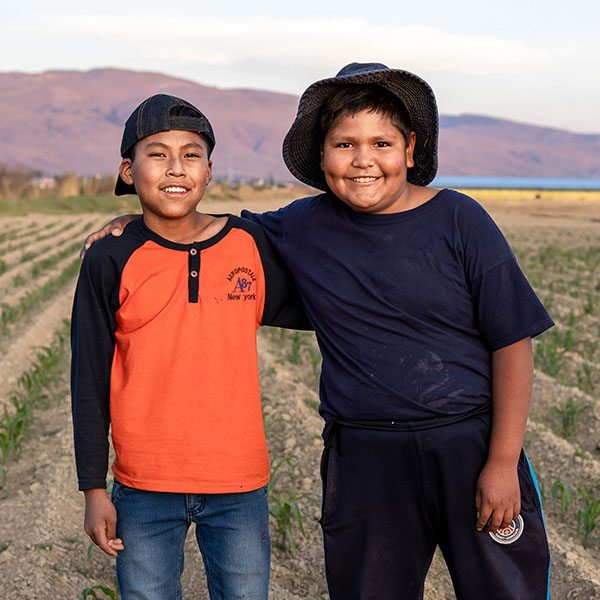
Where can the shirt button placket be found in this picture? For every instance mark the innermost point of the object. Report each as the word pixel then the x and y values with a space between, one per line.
pixel 193 272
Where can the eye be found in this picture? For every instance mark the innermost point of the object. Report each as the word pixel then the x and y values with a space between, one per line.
pixel 192 155
pixel 343 145
pixel 382 144
pixel 157 154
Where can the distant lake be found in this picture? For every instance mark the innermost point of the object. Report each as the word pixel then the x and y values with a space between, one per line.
pixel 515 183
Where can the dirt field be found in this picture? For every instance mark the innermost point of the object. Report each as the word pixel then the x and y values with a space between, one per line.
pixel 44 552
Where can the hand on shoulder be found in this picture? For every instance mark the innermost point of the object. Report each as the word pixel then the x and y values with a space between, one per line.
pixel 114 227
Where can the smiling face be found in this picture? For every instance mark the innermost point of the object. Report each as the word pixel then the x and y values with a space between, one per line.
pixel 365 161
pixel 170 171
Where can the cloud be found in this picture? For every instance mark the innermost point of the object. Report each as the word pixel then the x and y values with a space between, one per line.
pixel 322 41
pixel 470 69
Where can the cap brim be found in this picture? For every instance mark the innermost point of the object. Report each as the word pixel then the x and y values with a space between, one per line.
pixel 123 189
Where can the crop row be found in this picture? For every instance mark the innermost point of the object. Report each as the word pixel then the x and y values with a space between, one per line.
pixel 12 313
pixel 34 390
pixel 31 233
pixel 29 255
pixel 576 508
pixel 12 247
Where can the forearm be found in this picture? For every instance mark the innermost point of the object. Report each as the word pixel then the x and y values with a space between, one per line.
pixel 512 380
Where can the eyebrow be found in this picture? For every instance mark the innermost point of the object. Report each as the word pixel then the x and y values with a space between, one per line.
pixel 163 145
pixel 375 135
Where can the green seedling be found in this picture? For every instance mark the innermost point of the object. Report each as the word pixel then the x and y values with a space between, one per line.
pixel 569 415
pixel 585 381
pixel 549 357
pixel 106 593
pixel 588 305
pixel 566 340
pixel 562 492
pixel 591 346
pixel 284 507
pixel 587 516
pixel 18 280
pixel 297 343
pixel 286 513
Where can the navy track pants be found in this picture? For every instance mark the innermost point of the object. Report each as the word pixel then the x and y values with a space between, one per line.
pixel 390 497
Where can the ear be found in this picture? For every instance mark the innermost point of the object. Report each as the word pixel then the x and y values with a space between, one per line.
pixel 410 148
pixel 322 169
pixel 125 171
pixel 209 172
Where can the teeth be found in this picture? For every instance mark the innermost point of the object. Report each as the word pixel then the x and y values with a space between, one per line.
pixel 364 179
pixel 175 189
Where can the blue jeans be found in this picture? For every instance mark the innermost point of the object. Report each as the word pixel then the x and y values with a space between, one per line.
pixel 232 531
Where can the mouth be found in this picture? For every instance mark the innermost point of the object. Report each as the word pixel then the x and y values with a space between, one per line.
pixel 175 189
pixel 363 179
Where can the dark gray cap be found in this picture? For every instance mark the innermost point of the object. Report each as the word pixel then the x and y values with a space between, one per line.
pixel 302 144
pixel 161 112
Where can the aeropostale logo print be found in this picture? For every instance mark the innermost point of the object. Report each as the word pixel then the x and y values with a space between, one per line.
pixel 243 282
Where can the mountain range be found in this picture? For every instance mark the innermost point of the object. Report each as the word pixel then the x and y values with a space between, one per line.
pixel 71 122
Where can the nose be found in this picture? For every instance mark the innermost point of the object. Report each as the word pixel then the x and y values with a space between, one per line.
pixel 363 157
pixel 175 168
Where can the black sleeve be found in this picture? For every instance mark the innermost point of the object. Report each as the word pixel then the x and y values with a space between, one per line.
pixel 93 328
pixel 283 305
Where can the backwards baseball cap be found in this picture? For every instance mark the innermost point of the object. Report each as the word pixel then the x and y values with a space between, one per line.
pixel 161 112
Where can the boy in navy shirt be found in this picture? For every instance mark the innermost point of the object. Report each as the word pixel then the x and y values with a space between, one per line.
pixel 424 321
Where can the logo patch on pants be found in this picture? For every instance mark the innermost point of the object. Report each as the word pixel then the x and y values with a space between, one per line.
pixel 509 534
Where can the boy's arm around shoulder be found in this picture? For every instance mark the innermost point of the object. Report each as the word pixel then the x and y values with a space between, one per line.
pixel 93 326
pixel 115 227
pixel 283 304
pixel 497 497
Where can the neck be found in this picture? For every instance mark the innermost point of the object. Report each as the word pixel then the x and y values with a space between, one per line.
pixel 185 230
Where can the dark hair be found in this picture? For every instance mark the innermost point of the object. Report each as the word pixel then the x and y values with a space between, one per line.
pixel 176 111
pixel 350 99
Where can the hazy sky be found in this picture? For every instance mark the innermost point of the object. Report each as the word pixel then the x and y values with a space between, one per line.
pixel 535 61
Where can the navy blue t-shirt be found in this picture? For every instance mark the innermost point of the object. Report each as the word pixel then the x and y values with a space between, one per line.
pixel 407 307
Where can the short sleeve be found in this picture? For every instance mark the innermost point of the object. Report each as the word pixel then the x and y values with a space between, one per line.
pixel 507 308
pixel 270 222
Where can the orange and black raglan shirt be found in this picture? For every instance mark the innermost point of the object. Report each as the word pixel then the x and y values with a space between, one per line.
pixel 164 353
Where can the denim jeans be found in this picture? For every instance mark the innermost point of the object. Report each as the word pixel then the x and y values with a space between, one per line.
pixel 232 531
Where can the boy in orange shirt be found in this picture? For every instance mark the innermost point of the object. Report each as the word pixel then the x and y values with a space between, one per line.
pixel 164 353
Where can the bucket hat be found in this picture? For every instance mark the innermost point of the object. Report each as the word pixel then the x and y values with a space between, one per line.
pixel 302 148
pixel 161 112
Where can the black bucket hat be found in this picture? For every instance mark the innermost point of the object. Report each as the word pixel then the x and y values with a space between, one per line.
pixel 302 147
pixel 161 112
